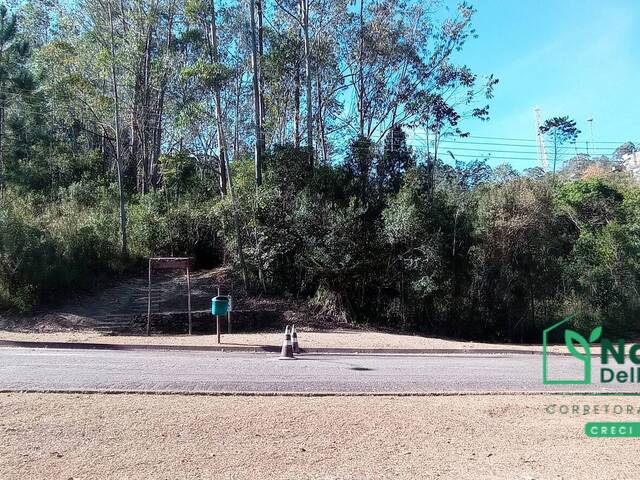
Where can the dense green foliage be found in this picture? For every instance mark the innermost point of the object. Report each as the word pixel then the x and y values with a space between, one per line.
pixel 369 231
pixel 471 255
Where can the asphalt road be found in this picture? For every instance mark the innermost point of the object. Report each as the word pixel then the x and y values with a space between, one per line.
pixel 172 371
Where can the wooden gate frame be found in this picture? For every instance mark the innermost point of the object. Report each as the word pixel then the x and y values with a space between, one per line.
pixel 169 263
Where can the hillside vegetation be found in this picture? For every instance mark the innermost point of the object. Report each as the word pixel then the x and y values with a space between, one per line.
pixel 469 253
pixel 131 129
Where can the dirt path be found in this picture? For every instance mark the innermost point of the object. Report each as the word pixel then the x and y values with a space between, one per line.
pixel 117 314
pixel 135 436
pixel 114 307
pixel 117 303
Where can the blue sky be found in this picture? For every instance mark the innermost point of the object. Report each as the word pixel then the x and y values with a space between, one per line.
pixel 569 57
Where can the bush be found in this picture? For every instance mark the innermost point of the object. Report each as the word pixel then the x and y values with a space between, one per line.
pixel 61 247
pixel 186 228
pixel 28 262
pixel 450 249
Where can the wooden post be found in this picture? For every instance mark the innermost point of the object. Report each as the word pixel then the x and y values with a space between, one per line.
pixel 217 287
pixel 229 321
pixel 149 302
pixel 189 297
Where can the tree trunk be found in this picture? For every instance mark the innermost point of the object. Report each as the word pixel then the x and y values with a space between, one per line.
pixel 323 140
pixel 2 169
pixel 296 106
pixel 236 136
pixel 307 66
pixel 260 77
pixel 157 130
pixel 157 137
pixel 361 98
pixel 2 127
pixel 256 94
pixel 555 158
pixel 119 165
pixel 222 150
pixel 148 148
pixel 236 221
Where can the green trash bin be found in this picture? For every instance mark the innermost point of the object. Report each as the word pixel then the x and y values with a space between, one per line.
pixel 220 305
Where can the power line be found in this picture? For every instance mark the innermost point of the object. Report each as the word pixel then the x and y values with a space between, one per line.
pixel 485 155
pixel 489 154
pixel 447 147
pixel 491 157
pixel 510 139
pixel 503 138
pixel 466 142
pixel 482 154
pixel 470 139
pixel 569 145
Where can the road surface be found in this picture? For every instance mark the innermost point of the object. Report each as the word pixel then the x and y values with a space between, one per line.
pixel 209 372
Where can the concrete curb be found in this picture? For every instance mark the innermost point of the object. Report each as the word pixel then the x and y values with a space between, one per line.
pixel 257 393
pixel 272 349
pixel 141 346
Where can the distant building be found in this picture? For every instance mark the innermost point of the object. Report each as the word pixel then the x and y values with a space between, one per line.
pixel 631 163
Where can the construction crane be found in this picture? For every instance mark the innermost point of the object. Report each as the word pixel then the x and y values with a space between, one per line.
pixel 542 153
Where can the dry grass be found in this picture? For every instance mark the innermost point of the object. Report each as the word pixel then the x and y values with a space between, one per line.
pixel 63 436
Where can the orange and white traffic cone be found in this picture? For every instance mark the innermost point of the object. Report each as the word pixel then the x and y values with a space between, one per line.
pixel 294 340
pixel 287 347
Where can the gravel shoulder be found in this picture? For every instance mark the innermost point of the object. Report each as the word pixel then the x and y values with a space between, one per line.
pixel 149 436
pixel 308 339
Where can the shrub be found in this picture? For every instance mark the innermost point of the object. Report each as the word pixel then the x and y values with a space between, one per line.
pixel 28 262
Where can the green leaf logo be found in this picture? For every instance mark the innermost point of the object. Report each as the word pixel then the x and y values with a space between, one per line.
pixel 578 347
pixel 571 339
pixel 596 333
